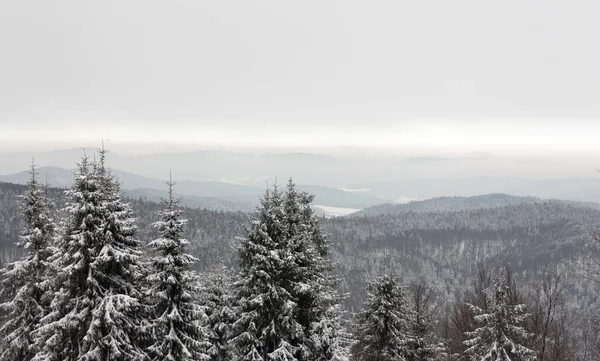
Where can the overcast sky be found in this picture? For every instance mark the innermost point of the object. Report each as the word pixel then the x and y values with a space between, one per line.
pixel 305 73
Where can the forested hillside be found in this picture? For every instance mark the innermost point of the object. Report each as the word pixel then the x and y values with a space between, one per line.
pixel 452 204
pixel 447 245
pixel 444 245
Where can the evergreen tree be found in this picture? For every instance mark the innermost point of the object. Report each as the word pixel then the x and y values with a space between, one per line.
pixel 177 331
pixel 96 300
pixel 24 283
pixel 120 270
pixel 218 304
pixel 267 327
pixel 314 287
pixel 287 300
pixel 383 327
pixel 500 335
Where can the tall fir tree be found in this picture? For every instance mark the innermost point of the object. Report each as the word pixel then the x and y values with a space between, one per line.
pixel 267 328
pixel 383 328
pixel 177 320
pixel 24 283
pixel 287 301
pixel 500 335
pixel 217 301
pixel 314 285
pixel 94 311
pixel 120 268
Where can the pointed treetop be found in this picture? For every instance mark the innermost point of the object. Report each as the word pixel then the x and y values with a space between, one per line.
pixel 33 172
pixel 291 183
pixel 171 199
pixel 102 153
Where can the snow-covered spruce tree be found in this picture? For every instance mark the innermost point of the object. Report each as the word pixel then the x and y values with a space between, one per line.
pixel 96 298
pixel 500 334
pixel 312 284
pixel 287 301
pixel 267 327
pixel 177 330
pixel 218 304
pixel 383 328
pixel 24 283
pixel 120 267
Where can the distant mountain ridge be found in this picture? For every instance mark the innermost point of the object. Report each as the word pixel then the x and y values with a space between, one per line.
pixel 207 194
pixel 201 165
pixel 458 203
pixel 577 189
pixel 391 176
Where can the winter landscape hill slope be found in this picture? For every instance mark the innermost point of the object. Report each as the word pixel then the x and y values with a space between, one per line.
pixel 452 204
pixel 442 246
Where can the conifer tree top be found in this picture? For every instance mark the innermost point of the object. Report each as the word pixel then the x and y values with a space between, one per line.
pixel 500 334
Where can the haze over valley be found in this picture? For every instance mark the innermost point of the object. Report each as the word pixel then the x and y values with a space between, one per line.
pixel 348 181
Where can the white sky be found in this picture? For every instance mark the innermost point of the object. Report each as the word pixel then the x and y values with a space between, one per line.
pixel 503 76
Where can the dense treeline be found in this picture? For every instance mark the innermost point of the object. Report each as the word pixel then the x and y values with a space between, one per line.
pixel 87 288
pixel 135 280
pixel 445 246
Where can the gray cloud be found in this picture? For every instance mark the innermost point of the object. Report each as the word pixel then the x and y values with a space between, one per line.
pixel 245 68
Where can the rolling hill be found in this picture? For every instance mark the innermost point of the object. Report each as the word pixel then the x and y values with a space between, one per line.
pixel 208 194
pixel 454 204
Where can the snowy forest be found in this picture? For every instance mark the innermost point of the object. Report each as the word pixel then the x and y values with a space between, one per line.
pixel 89 275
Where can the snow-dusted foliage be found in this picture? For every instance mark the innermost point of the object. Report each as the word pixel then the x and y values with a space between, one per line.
pixel 266 322
pixel 286 302
pixel 93 314
pixel 24 283
pixel 500 335
pixel 314 285
pixel 383 329
pixel 177 333
pixel 218 304
pixel 426 345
